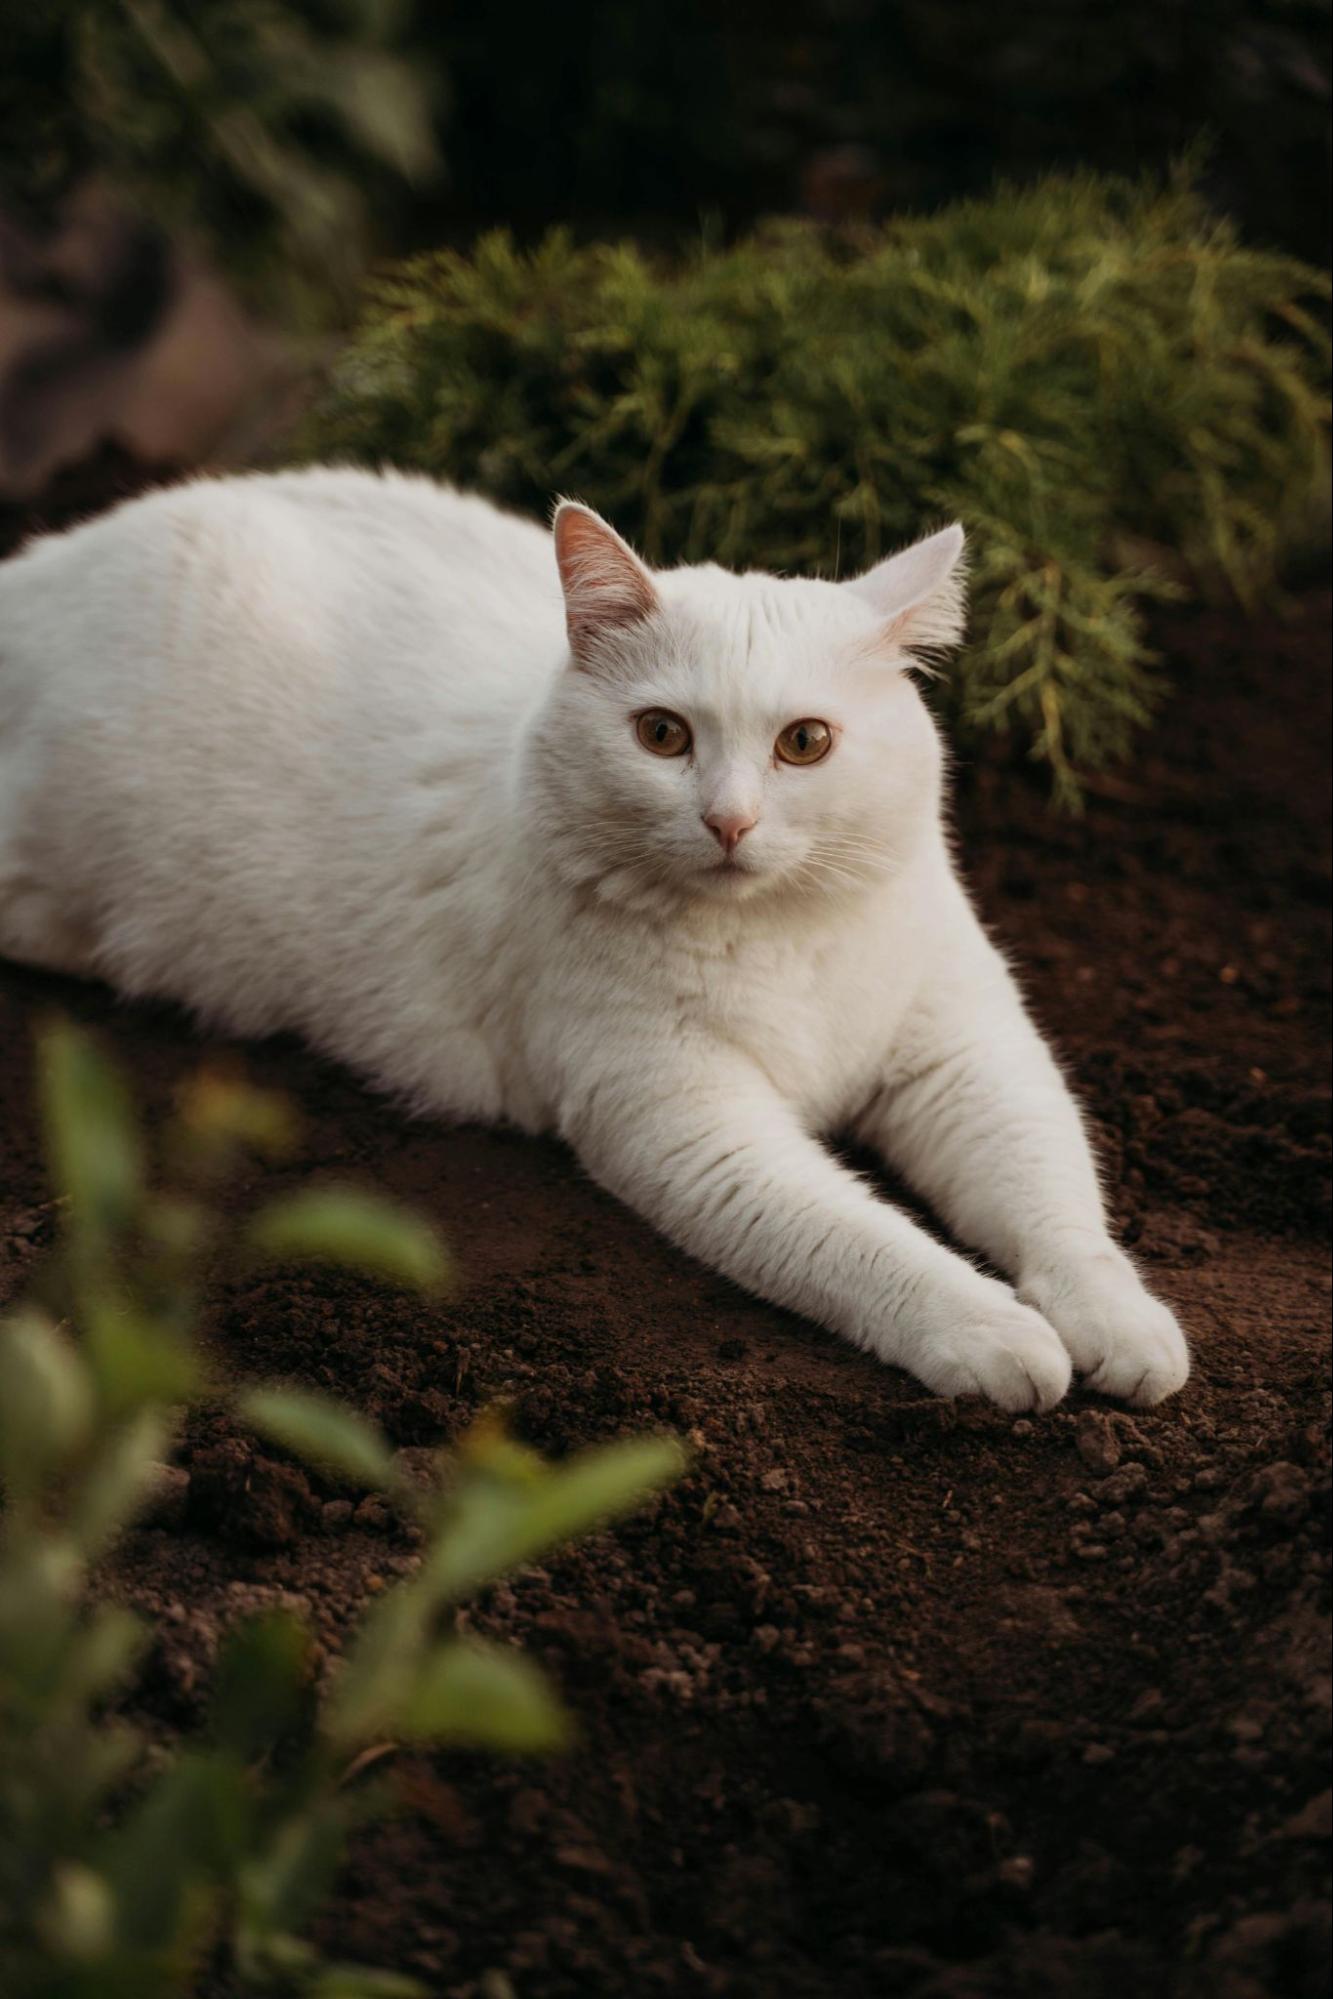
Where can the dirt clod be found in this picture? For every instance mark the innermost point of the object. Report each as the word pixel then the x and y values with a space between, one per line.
pixel 1096 1442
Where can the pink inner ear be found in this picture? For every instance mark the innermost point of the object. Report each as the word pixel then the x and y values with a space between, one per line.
pixel 920 593
pixel 934 623
pixel 604 582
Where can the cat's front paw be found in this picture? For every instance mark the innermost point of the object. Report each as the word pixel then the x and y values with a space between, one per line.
pixel 997 1348
pixel 1122 1340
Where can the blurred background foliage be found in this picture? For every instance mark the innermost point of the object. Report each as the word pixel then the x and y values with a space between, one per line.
pixel 1117 394
pixel 327 124
pixel 272 136
pixel 188 194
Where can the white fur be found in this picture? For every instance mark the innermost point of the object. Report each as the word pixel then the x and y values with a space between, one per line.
pixel 313 751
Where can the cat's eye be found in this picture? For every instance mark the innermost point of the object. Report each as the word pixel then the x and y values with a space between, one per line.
pixel 662 732
pixel 807 742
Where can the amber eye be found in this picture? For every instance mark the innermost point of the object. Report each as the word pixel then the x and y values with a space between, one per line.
pixel 662 733
pixel 806 742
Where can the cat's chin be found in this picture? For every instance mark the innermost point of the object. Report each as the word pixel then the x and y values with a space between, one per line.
pixel 733 881
pixel 717 887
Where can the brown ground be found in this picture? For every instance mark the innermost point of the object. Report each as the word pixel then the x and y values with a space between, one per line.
pixel 889 1696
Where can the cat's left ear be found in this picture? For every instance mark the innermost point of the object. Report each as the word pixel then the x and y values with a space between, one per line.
pixel 920 592
pixel 606 586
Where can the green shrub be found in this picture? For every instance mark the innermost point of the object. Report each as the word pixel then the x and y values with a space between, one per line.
pixel 1087 374
pixel 126 1875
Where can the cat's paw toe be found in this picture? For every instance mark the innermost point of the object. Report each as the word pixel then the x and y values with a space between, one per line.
pixel 1008 1355
pixel 1142 1361
pixel 1122 1340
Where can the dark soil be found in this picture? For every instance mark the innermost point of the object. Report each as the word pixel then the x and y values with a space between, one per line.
pixel 889 1696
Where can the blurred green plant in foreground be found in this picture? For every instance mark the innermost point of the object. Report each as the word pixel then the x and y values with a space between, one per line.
pixel 260 130
pixel 123 1875
pixel 1120 401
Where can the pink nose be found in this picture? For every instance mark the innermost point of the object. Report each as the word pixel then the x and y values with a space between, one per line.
pixel 728 829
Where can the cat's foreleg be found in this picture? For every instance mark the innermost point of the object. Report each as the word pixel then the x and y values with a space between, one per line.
pixel 724 1167
pixel 976 1116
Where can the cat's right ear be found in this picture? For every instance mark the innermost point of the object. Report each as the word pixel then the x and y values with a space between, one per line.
pixel 606 586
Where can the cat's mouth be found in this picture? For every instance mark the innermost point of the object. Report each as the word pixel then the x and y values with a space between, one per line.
pixel 731 875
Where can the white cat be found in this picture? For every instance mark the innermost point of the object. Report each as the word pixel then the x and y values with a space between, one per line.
pixel 661 868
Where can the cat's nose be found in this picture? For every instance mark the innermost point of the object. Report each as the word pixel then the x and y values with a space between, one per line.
pixel 728 829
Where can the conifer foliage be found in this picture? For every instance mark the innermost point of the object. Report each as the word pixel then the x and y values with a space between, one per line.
pixel 1119 399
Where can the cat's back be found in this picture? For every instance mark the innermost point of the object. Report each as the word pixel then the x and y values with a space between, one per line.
pixel 281 578
pixel 256 740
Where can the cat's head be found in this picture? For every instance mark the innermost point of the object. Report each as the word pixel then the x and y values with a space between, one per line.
pixel 721 738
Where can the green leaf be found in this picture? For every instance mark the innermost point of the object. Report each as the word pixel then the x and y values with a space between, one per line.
pixel 119 1480
pixel 485 1695
pixel 77 1920
pixel 135 1362
pixel 356 1981
pixel 46 1401
pixel 219 1112
pixel 109 1643
pixel 39 1582
pixel 321 1430
pixel 355 1231
pixel 599 1484
pixel 92 1138
pixel 379 1666
pixel 131 1974
pixel 262 1680
pixel 189 1829
pixel 378 98
pixel 288 1878
pixel 175 1230
pixel 495 1523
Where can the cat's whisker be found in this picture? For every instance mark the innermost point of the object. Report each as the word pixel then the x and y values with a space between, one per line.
pixel 823 871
